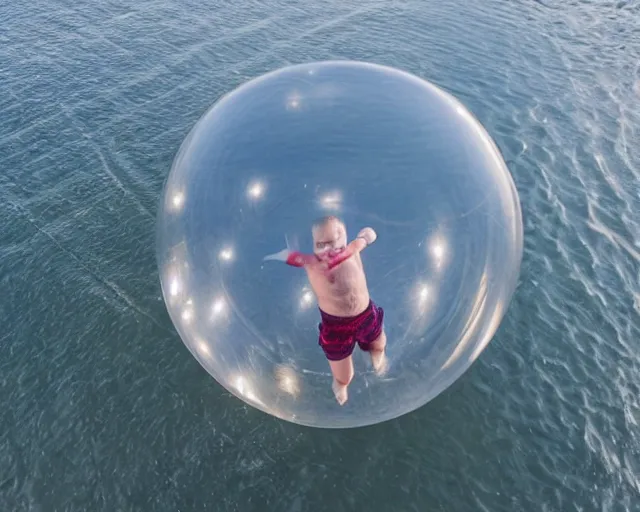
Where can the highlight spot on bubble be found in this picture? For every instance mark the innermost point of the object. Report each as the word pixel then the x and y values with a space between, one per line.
pixel 226 254
pixel 256 190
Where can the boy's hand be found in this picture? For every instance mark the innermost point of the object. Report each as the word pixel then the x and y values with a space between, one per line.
pixel 368 235
pixel 283 255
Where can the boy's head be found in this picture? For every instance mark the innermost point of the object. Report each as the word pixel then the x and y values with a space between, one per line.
pixel 329 234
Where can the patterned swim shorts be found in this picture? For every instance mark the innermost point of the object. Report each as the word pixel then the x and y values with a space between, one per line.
pixel 339 335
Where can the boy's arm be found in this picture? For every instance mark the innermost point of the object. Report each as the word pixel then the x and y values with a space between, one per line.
pixel 365 238
pixel 298 259
pixel 293 258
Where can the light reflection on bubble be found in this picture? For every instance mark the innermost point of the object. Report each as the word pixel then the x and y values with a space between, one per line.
pixel 174 286
pixel 174 200
pixel 307 299
pixel 203 347
pixel 244 387
pixel 219 307
pixel 331 201
pixel 287 380
pixel 226 254
pixel 491 328
pixel 421 302
pixel 255 190
pixel 187 313
pixel 175 273
pixel 293 101
pixel 437 248
pixel 438 251
pixel 473 323
pixel 421 299
pixel 177 201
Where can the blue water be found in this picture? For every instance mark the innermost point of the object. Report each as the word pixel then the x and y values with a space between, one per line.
pixel 103 408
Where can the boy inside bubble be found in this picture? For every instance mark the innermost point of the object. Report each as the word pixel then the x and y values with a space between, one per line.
pixel 348 315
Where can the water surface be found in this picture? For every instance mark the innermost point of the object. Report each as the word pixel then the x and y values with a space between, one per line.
pixel 103 406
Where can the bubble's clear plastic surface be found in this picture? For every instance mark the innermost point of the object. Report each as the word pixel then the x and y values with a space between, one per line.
pixel 380 148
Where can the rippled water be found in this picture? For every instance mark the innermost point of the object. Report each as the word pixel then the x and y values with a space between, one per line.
pixel 102 406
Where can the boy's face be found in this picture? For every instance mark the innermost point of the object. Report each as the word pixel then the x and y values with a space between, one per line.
pixel 330 238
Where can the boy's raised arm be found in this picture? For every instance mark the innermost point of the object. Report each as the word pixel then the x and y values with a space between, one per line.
pixel 298 259
pixel 293 258
pixel 365 238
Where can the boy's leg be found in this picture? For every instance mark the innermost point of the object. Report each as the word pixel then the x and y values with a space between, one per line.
pixel 342 370
pixel 378 357
pixel 374 338
pixel 337 342
pixel 342 374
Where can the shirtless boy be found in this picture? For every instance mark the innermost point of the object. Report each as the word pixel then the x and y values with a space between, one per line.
pixel 348 315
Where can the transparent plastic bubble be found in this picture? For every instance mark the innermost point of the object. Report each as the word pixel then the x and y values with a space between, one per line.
pixel 377 147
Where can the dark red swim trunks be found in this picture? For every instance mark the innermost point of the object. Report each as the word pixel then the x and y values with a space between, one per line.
pixel 338 335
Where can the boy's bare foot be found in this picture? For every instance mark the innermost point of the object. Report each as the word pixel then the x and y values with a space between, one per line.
pixel 340 391
pixel 379 362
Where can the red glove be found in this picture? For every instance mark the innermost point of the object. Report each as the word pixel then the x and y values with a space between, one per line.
pixel 338 258
pixel 293 258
